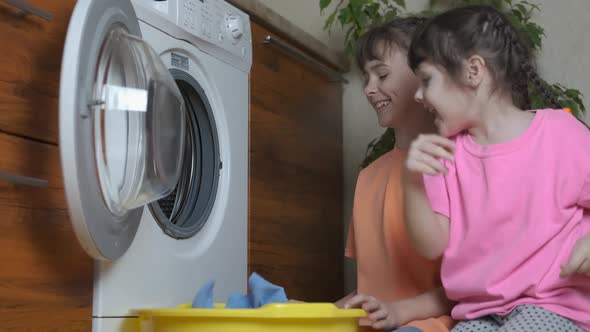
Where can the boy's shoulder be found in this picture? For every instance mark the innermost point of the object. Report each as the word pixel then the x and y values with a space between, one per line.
pixel 385 160
pixel 383 165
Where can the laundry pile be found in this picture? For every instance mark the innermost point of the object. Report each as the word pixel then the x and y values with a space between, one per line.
pixel 261 292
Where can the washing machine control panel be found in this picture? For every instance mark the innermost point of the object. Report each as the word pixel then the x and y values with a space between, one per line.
pixel 217 22
pixel 214 26
pixel 234 25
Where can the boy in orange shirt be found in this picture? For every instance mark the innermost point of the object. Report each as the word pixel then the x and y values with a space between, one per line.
pixel 388 268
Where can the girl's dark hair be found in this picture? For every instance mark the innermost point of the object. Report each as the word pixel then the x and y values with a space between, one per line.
pixel 396 33
pixel 449 38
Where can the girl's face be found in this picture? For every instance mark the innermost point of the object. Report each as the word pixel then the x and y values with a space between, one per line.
pixel 445 98
pixel 390 86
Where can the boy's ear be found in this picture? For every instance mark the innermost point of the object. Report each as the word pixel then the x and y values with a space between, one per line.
pixel 475 67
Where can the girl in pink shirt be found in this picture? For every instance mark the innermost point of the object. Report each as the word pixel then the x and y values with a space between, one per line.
pixel 502 194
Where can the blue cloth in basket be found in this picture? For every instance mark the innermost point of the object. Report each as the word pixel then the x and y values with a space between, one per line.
pixel 204 298
pixel 261 292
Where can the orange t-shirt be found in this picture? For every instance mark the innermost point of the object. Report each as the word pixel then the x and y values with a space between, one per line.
pixel 388 267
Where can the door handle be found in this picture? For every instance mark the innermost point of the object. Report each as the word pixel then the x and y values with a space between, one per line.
pixel 30 9
pixel 23 180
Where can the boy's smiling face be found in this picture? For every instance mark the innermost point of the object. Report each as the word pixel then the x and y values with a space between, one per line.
pixel 390 86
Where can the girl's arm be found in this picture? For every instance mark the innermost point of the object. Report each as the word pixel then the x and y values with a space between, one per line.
pixel 428 230
pixel 431 304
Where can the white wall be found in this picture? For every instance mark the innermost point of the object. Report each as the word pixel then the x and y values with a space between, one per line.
pixel 566 49
pixel 565 59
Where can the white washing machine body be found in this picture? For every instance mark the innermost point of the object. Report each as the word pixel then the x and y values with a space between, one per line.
pixel 156 254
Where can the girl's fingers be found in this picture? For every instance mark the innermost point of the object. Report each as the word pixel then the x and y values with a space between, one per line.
pixel 378 315
pixel 356 301
pixel 440 141
pixel 432 162
pixel 436 150
pixel 419 167
pixel 371 306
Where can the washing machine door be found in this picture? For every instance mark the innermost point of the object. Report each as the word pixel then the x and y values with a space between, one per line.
pixel 122 124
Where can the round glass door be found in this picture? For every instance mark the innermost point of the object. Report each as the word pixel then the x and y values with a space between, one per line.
pixel 122 126
pixel 138 123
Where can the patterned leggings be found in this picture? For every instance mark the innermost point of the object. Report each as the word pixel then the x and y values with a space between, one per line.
pixel 524 318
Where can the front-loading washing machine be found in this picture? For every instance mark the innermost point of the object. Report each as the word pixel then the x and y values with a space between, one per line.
pixel 154 149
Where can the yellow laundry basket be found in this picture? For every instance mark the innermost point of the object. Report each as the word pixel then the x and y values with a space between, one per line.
pixel 279 317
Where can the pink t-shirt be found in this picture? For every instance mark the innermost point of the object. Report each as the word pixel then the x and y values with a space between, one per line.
pixel 516 210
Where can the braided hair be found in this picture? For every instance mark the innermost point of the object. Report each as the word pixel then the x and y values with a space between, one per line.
pixel 453 36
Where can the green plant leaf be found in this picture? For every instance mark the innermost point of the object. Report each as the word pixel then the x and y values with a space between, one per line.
pixel 390 15
pixel 520 8
pixel 356 4
pixel 349 48
pixel 534 35
pixel 372 10
pixel 532 7
pixel 379 146
pixel 330 21
pixel 324 4
pixel 400 3
pixel 518 15
pixel 344 16
pixel 362 20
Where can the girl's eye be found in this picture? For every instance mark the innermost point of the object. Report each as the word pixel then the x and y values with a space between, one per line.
pixel 384 76
pixel 425 81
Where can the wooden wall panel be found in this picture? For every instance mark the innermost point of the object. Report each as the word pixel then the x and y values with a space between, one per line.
pixel 46 279
pixel 295 217
pixel 30 69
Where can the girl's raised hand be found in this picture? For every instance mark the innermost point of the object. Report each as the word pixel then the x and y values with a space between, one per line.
pixel 425 153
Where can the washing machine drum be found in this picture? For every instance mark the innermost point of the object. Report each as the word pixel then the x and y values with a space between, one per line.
pixel 122 126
